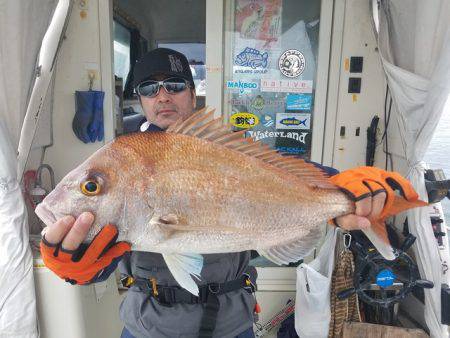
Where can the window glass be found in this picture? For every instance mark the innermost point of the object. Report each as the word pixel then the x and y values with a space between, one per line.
pixel 122 38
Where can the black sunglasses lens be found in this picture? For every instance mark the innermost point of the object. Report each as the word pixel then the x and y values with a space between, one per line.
pixel 148 88
pixel 175 85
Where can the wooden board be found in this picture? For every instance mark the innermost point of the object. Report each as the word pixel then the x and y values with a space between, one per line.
pixel 365 330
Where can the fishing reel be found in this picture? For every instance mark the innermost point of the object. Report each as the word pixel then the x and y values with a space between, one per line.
pixel 374 275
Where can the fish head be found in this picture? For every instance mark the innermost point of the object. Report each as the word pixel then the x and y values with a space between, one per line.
pixel 104 185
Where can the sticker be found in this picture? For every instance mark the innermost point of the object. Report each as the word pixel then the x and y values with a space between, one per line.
pixel 292 150
pixel 286 86
pixel 242 85
pixel 298 101
pixel 267 121
pixel 293 121
pixel 248 101
pixel 261 135
pixel 258 103
pixel 244 120
pixel 292 63
pixel 385 278
pixel 251 57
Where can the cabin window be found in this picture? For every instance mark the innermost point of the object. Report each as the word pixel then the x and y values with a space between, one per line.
pixel 122 40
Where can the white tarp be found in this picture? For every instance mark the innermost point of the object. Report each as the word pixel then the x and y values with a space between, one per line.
pixel 414 42
pixel 23 24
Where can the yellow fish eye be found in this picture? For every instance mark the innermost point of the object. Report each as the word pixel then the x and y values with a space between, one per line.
pixel 90 188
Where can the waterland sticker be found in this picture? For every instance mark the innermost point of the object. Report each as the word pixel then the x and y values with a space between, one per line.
pixel 296 136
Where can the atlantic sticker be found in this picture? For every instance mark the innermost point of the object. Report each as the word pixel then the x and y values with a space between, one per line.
pixel 251 61
pixel 292 63
pixel 244 120
pixel 261 135
pixel 286 86
pixel 298 101
pixel 242 86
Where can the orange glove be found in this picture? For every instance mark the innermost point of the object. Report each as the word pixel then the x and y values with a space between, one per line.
pixel 89 262
pixel 363 182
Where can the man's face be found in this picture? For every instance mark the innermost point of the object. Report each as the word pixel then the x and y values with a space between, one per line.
pixel 164 109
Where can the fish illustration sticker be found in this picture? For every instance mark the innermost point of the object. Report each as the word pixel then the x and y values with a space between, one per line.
pixel 244 120
pixel 292 63
pixel 251 57
pixel 293 121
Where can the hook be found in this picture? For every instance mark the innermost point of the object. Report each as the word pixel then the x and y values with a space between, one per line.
pixel 91 76
pixel 347 240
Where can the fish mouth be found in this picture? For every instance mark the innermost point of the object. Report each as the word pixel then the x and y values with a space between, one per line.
pixel 45 214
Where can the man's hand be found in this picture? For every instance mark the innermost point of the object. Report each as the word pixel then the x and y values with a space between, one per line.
pixel 64 253
pixel 367 207
pixel 372 189
pixel 70 232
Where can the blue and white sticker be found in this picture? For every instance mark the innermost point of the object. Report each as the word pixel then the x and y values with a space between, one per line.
pixel 293 121
pixel 251 61
pixel 267 120
pixel 242 86
pixel 385 278
pixel 298 101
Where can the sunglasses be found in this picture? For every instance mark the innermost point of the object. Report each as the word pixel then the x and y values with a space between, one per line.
pixel 173 85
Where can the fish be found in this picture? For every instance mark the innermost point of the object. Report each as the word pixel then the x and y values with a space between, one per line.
pixel 251 57
pixel 200 188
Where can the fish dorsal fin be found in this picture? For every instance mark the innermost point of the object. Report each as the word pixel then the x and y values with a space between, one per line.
pixel 203 125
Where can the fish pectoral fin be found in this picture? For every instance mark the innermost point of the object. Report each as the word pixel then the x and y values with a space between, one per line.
pixel 160 226
pixel 292 251
pixel 183 267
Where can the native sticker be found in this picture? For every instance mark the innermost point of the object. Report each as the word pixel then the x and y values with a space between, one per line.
pixel 244 120
pixel 293 121
pixel 292 63
pixel 286 86
pixel 298 101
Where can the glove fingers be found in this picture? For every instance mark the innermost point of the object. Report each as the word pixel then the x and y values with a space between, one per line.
pixel 356 189
pixel 374 187
pixel 101 242
pixel 396 181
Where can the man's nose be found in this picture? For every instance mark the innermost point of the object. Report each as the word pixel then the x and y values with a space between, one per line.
pixel 163 96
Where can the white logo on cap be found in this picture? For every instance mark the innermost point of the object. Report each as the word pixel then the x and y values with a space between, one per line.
pixel 175 64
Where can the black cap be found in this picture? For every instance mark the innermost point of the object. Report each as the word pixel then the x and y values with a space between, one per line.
pixel 162 61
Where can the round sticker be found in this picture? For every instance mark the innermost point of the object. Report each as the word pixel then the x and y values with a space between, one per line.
pixel 292 63
pixel 385 278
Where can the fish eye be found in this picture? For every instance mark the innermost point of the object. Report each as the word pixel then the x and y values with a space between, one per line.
pixel 90 187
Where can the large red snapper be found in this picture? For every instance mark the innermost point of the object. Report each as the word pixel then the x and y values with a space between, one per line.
pixel 198 189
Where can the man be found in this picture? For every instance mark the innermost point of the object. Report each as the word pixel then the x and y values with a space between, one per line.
pixel 164 83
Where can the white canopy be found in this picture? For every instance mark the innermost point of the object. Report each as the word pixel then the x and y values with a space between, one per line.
pixel 23 24
pixel 414 42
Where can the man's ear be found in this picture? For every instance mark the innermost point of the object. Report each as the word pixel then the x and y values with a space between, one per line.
pixel 194 99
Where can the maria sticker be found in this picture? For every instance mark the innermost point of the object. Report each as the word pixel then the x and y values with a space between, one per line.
pixel 292 63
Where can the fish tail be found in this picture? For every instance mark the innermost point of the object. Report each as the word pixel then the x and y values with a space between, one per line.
pixel 377 233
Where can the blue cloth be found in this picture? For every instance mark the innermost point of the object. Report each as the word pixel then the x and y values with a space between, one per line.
pixel 87 123
pixel 246 334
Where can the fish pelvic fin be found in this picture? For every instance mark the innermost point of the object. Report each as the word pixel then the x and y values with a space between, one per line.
pixel 294 250
pixel 377 233
pixel 183 267
pixel 203 125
